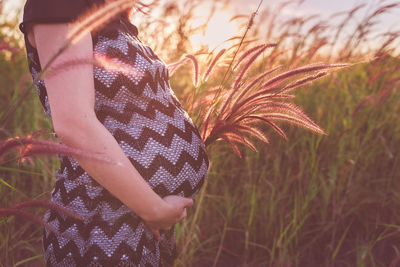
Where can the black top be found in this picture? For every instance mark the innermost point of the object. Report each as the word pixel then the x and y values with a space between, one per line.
pixel 63 11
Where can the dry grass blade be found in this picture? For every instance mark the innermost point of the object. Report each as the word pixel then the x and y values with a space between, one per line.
pixel 26 215
pixel 34 147
pixel 261 106
pixel 384 9
pixel 240 130
pixel 242 44
pixel 48 205
pixel 247 66
pixel 293 119
pixel 9 144
pixel 51 148
pixel 220 127
pixel 240 16
pixel 212 65
pixel 233 146
pixel 247 89
pixel 255 132
pixel 254 102
pixel 5 46
pixel 289 109
pixel 271 106
pixel 233 135
pixel 175 66
pixel 303 81
pixel 92 21
pixel 16 210
pixel 98 16
pixel 253 118
pixel 309 68
pixel 246 54
pixel 196 69
pixel 257 80
pixel 239 139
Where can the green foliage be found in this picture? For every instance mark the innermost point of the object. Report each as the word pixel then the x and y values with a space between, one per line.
pixel 20 240
pixel 320 200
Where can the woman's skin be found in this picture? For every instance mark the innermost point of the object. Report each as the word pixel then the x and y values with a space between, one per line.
pixel 71 96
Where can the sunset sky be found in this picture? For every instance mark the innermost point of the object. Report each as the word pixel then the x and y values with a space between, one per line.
pixel 324 8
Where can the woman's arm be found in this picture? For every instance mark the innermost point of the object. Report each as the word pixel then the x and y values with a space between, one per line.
pixel 71 97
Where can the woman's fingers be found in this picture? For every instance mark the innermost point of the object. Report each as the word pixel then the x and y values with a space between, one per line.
pixel 184 214
pixel 156 233
pixel 177 212
pixel 188 202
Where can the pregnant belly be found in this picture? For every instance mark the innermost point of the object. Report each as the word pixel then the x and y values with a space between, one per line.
pixel 166 149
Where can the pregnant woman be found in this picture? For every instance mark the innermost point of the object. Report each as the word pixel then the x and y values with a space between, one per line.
pixel 132 117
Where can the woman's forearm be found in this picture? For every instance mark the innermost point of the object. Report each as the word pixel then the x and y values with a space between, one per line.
pixel 119 177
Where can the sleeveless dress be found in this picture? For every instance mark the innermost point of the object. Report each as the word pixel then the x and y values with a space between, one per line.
pixel 136 104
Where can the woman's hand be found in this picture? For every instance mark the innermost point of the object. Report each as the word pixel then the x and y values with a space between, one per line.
pixel 173 211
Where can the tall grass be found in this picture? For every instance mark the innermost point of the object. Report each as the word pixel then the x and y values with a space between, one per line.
pixel 20 239
pixel 313 200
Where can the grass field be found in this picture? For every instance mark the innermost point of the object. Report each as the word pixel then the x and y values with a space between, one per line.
pixel 313 200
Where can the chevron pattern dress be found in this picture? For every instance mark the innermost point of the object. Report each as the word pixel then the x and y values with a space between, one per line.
pixel 136 104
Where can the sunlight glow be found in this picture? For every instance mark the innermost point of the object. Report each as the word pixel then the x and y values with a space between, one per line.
pixel 218 30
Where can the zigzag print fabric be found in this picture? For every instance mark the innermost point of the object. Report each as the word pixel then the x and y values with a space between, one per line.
pixel 135 103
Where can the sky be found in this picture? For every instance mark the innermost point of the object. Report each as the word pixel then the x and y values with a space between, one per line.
pixel 324 8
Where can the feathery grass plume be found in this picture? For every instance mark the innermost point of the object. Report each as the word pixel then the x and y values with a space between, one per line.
pixel 250 86
pixel 247 89
pixel 242 44
pixel 249 104
pixel 293 119
pixel 176 65
pixel 309 68
pixel 385 47
pixel 249 63
pixel 7 212
pixel 4 46
pixel 254 118
pixel 363 29
pixel 92 21
pixel 246 54
pixel 303 81
pixel 17 210
pixel 384 9
pixel 196 69
pixel 100 61
pixel 261 104
pixel 34 147
pixel 239 45
pixel 47 205
pixel 240 16
pixel 267 90
pixel 345 21
pixel 212 65
pixel 226 74
pixel 262 107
